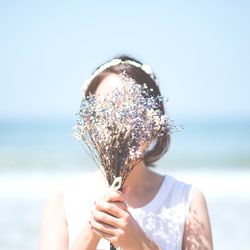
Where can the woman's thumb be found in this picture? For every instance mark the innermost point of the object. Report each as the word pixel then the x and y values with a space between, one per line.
pixel 125 190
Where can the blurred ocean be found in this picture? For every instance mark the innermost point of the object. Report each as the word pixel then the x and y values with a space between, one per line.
pixel 38 145
pixel 36 154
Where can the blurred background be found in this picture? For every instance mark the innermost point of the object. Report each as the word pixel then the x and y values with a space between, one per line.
pixel 200 52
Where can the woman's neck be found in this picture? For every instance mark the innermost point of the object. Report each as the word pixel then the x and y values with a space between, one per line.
pixel 142 184
pixel 138 177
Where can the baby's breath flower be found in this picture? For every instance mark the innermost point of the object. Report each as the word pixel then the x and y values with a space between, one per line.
pixel 114 127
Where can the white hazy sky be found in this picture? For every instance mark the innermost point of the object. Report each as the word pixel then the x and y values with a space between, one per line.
pixel 200 51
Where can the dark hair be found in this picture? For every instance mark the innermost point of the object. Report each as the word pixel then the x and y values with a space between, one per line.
pixel 161 144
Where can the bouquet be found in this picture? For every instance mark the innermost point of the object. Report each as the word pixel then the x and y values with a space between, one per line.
pixel 116 129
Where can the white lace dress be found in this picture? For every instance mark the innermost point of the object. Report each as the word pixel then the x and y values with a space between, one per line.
pixel 162 219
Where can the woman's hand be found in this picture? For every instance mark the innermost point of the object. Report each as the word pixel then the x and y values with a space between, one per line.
pixel 111 220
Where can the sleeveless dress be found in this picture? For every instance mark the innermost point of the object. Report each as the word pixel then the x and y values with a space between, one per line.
pixel 162 219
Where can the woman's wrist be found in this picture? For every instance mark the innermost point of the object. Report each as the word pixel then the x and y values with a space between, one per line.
pixel 86 240
pixel 144 243
pixel 150 245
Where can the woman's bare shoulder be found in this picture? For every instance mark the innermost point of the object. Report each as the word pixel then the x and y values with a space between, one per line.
pixel 197 228
pixel 54 198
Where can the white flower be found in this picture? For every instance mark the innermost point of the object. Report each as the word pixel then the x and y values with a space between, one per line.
pixel 146 69
pixel 114 62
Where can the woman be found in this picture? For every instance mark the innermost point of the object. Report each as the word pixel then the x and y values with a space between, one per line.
pixel 152 211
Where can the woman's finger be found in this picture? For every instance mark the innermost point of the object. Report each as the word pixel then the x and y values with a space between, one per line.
pixel 116 209
pixel 110 238
pixel 112 195
pixel 106 218
pixel 102 227
pixel 125 190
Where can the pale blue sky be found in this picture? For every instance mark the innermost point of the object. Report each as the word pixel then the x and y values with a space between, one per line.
pixel 200 51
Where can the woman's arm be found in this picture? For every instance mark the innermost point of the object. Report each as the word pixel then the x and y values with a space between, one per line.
pixel 197 231
pixel 54 230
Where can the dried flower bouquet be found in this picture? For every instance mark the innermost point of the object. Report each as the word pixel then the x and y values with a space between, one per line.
pixel 117 129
